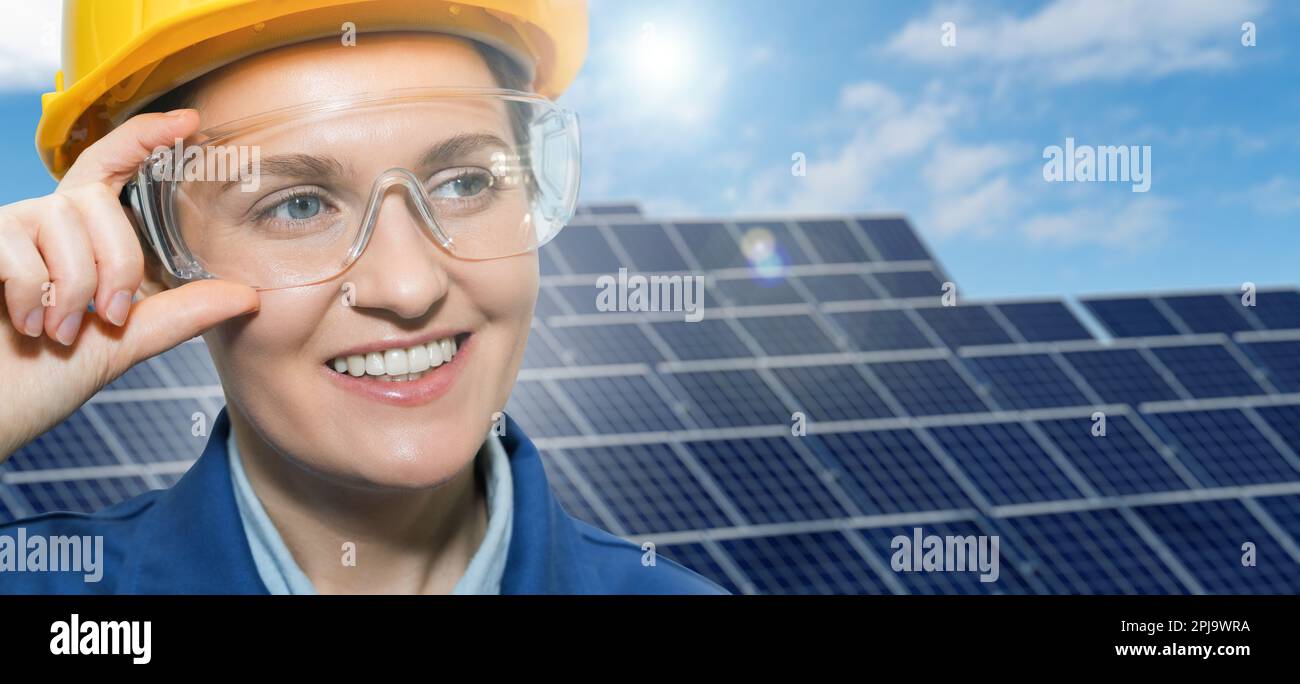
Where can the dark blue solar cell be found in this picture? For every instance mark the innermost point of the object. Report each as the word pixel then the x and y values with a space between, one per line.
pixel 1208 370
pixel 904 284
pixel 1278 309
pixel 539 354
pixel 79 496
pixel 1120 376
pixel 711 244
pixel 70 444
pixel 1028 381
pixel 888 471
pixel 711 338
pixel 758 291
pixel 548 303
pixel 188 364
pixel 846 287
pixel 140 376
pixel 6 515
pixel 1130 317
pixel 532 405
pixel 782 335
pixel 158 431
pixel 962 545
pixel 826 393
pixel 1207 536
pixel 606 344
pixel 1222 448
pixel 618 209
pixel 697 558
pixel 1208 313
pixel 1044 321
pixel 548 265
pixel 1119 463
pixel 1281 360
pixel 926 388
pixel 766 480
pixel 581 298
pixel 618 404
pixel 894 239
pixel 1285 510
pixel 1285 420
pixel 814 563
pixel 785 250
pixel 1006 464
pixel 881 330
pixel 586 251
pixel 834 242
pixel 960 326
pixel 1094 552
pixel 731 398
pixel 647 488
pixel 649 247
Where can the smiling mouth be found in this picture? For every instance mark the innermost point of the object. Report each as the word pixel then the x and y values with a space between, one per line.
pixel 399 364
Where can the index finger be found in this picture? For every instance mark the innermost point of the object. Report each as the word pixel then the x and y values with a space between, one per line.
pixel 113 159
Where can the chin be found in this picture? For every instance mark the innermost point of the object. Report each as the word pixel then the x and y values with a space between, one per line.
pixel 411 464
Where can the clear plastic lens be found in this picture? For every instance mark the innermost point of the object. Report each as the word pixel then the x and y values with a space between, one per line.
pixel 294 197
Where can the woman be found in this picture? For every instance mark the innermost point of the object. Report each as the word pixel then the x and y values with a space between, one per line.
pixel 363 268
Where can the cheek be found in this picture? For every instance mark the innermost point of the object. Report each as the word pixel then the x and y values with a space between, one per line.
pixel 268 344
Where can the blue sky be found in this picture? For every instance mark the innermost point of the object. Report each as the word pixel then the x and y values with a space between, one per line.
pixel 696 108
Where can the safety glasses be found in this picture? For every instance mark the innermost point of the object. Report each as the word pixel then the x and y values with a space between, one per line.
pixel 293 196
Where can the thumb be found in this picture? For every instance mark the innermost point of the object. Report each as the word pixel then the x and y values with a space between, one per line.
pixel 162 321
pixel 113 159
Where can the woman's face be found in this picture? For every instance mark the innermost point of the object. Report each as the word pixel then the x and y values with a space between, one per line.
pixel 277 365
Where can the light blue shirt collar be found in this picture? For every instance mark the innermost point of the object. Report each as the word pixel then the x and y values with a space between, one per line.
pixel 281 574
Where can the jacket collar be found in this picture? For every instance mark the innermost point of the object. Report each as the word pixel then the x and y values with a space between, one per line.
pixel 192 539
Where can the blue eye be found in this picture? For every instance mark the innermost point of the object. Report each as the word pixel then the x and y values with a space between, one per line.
pixel 299 208
pixel 467 184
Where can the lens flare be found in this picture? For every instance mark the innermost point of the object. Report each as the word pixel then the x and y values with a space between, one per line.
pixel 764 255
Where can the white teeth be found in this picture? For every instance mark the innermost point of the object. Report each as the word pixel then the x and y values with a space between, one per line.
pixel 419 358
pixel 395 362
pixel 397 365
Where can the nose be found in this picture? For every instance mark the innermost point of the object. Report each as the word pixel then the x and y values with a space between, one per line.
pixel 402 268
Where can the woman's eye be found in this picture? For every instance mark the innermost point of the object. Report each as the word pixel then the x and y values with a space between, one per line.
pixel 299 208
pixel 462 186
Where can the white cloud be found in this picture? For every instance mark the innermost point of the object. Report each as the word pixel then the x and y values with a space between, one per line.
pixel 984 211
pixel 29 44
pixel 1277 195
pixel 1075 40
pixel 954 167
pixel 1130 225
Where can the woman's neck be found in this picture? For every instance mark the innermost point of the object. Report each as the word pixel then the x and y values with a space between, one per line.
pixel 403 542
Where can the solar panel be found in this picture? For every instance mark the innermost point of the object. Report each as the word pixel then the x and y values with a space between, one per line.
pixel 1028 381
pixel 1208 313
pixel 1044 321
pixel 827 403
pixel 1208 370
pixel 1130 317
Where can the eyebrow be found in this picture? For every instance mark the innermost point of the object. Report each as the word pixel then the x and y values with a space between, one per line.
pixel 324 166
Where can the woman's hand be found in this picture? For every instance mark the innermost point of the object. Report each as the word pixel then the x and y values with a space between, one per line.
pixel 76 245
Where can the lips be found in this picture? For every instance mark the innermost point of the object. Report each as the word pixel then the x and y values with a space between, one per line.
pixel 398 364
pixel 386 372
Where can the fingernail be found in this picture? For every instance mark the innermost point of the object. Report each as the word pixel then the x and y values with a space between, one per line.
pixel 68 329
pixel 177 113
pixel 118 306
pixel 34 320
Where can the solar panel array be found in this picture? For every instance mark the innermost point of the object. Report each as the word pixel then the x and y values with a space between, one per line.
pixel 961 418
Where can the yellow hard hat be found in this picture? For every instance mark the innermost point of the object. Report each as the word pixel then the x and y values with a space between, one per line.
pixel 118 55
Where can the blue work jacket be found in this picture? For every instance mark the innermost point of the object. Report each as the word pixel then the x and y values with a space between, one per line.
pixel 189 539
